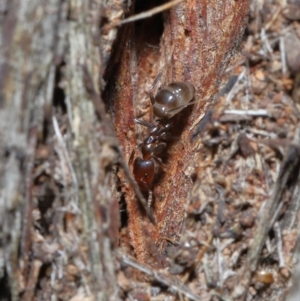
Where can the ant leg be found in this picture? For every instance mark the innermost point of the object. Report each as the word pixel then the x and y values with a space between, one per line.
pixel 150 195
pixel 144 123
pixel 150 199
pixel 160 163
pixel 150 92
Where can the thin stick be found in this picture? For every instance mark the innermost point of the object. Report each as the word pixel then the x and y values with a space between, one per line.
pixel 160 276
pixel 149 13
pixel 259 112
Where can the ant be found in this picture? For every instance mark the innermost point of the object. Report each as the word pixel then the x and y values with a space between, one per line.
pixel 168 102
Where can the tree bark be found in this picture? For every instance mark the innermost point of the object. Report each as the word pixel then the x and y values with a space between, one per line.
pixel 191 48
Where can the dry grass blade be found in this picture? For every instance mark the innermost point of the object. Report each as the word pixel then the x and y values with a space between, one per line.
pixel 149 13
pixel 161 277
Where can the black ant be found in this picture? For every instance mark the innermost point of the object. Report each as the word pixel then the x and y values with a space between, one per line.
pixel 168 102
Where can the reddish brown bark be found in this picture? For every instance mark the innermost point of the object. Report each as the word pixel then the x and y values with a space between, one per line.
pixel 198 40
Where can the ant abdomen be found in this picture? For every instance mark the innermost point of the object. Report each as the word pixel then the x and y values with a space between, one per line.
pixel 170 100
